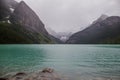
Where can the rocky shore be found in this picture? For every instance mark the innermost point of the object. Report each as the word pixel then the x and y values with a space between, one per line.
pixel 45 74
pixel 50 74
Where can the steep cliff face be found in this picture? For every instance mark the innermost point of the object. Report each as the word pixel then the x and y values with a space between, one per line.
pixel 27 18
pixel 105 31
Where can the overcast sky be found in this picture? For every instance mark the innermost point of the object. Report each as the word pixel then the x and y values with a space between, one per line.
pixel 72 15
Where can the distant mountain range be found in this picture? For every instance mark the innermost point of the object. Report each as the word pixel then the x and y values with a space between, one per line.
pixel 19 24
pixel 105 30
pixel 63 36
pixel 22 25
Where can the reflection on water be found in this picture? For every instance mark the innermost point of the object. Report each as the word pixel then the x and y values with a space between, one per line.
pixel 75 61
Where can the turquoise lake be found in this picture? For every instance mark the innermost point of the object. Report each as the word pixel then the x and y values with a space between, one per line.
pixel 79 62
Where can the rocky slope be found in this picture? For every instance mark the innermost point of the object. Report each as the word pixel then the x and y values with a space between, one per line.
pixel 23 26
pixel 5 6
pixel 26 17
pixel 102 31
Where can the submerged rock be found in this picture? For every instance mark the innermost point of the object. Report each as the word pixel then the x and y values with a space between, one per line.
pixel 20 73
pixel 48 70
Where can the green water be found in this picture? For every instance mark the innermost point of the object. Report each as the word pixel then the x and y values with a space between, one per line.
pixel 75 61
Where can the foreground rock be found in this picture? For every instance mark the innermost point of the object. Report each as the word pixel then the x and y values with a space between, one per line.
pixel 45 74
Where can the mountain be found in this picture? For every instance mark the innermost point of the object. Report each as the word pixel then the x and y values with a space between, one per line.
pixel 4 10
pixel 101 18
pixel 26 17
pixel 5 6
pixel 23 26
pixel 104 31
pixel 53 33
pixel 56 40
pixel 62 36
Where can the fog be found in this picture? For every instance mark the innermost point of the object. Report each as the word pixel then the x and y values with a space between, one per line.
pixel 72 15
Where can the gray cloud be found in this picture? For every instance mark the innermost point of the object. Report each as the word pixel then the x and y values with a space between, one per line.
pixel 72 15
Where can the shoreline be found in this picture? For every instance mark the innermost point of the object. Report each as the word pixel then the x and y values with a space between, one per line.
pixel 45 74
pixel 50 74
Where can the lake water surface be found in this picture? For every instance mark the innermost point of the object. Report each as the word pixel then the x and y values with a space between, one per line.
pixel 78 62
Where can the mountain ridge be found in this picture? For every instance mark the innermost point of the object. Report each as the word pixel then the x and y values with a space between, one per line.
pixel 24 24
pixel 98 32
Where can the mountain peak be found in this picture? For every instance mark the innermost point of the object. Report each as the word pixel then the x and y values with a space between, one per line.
pixel 101 18
pixel 106 31
pixel 22 2
pixel 26 17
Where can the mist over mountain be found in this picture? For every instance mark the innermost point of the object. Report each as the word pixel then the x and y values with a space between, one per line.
pixel 101 18
pixel 63 36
